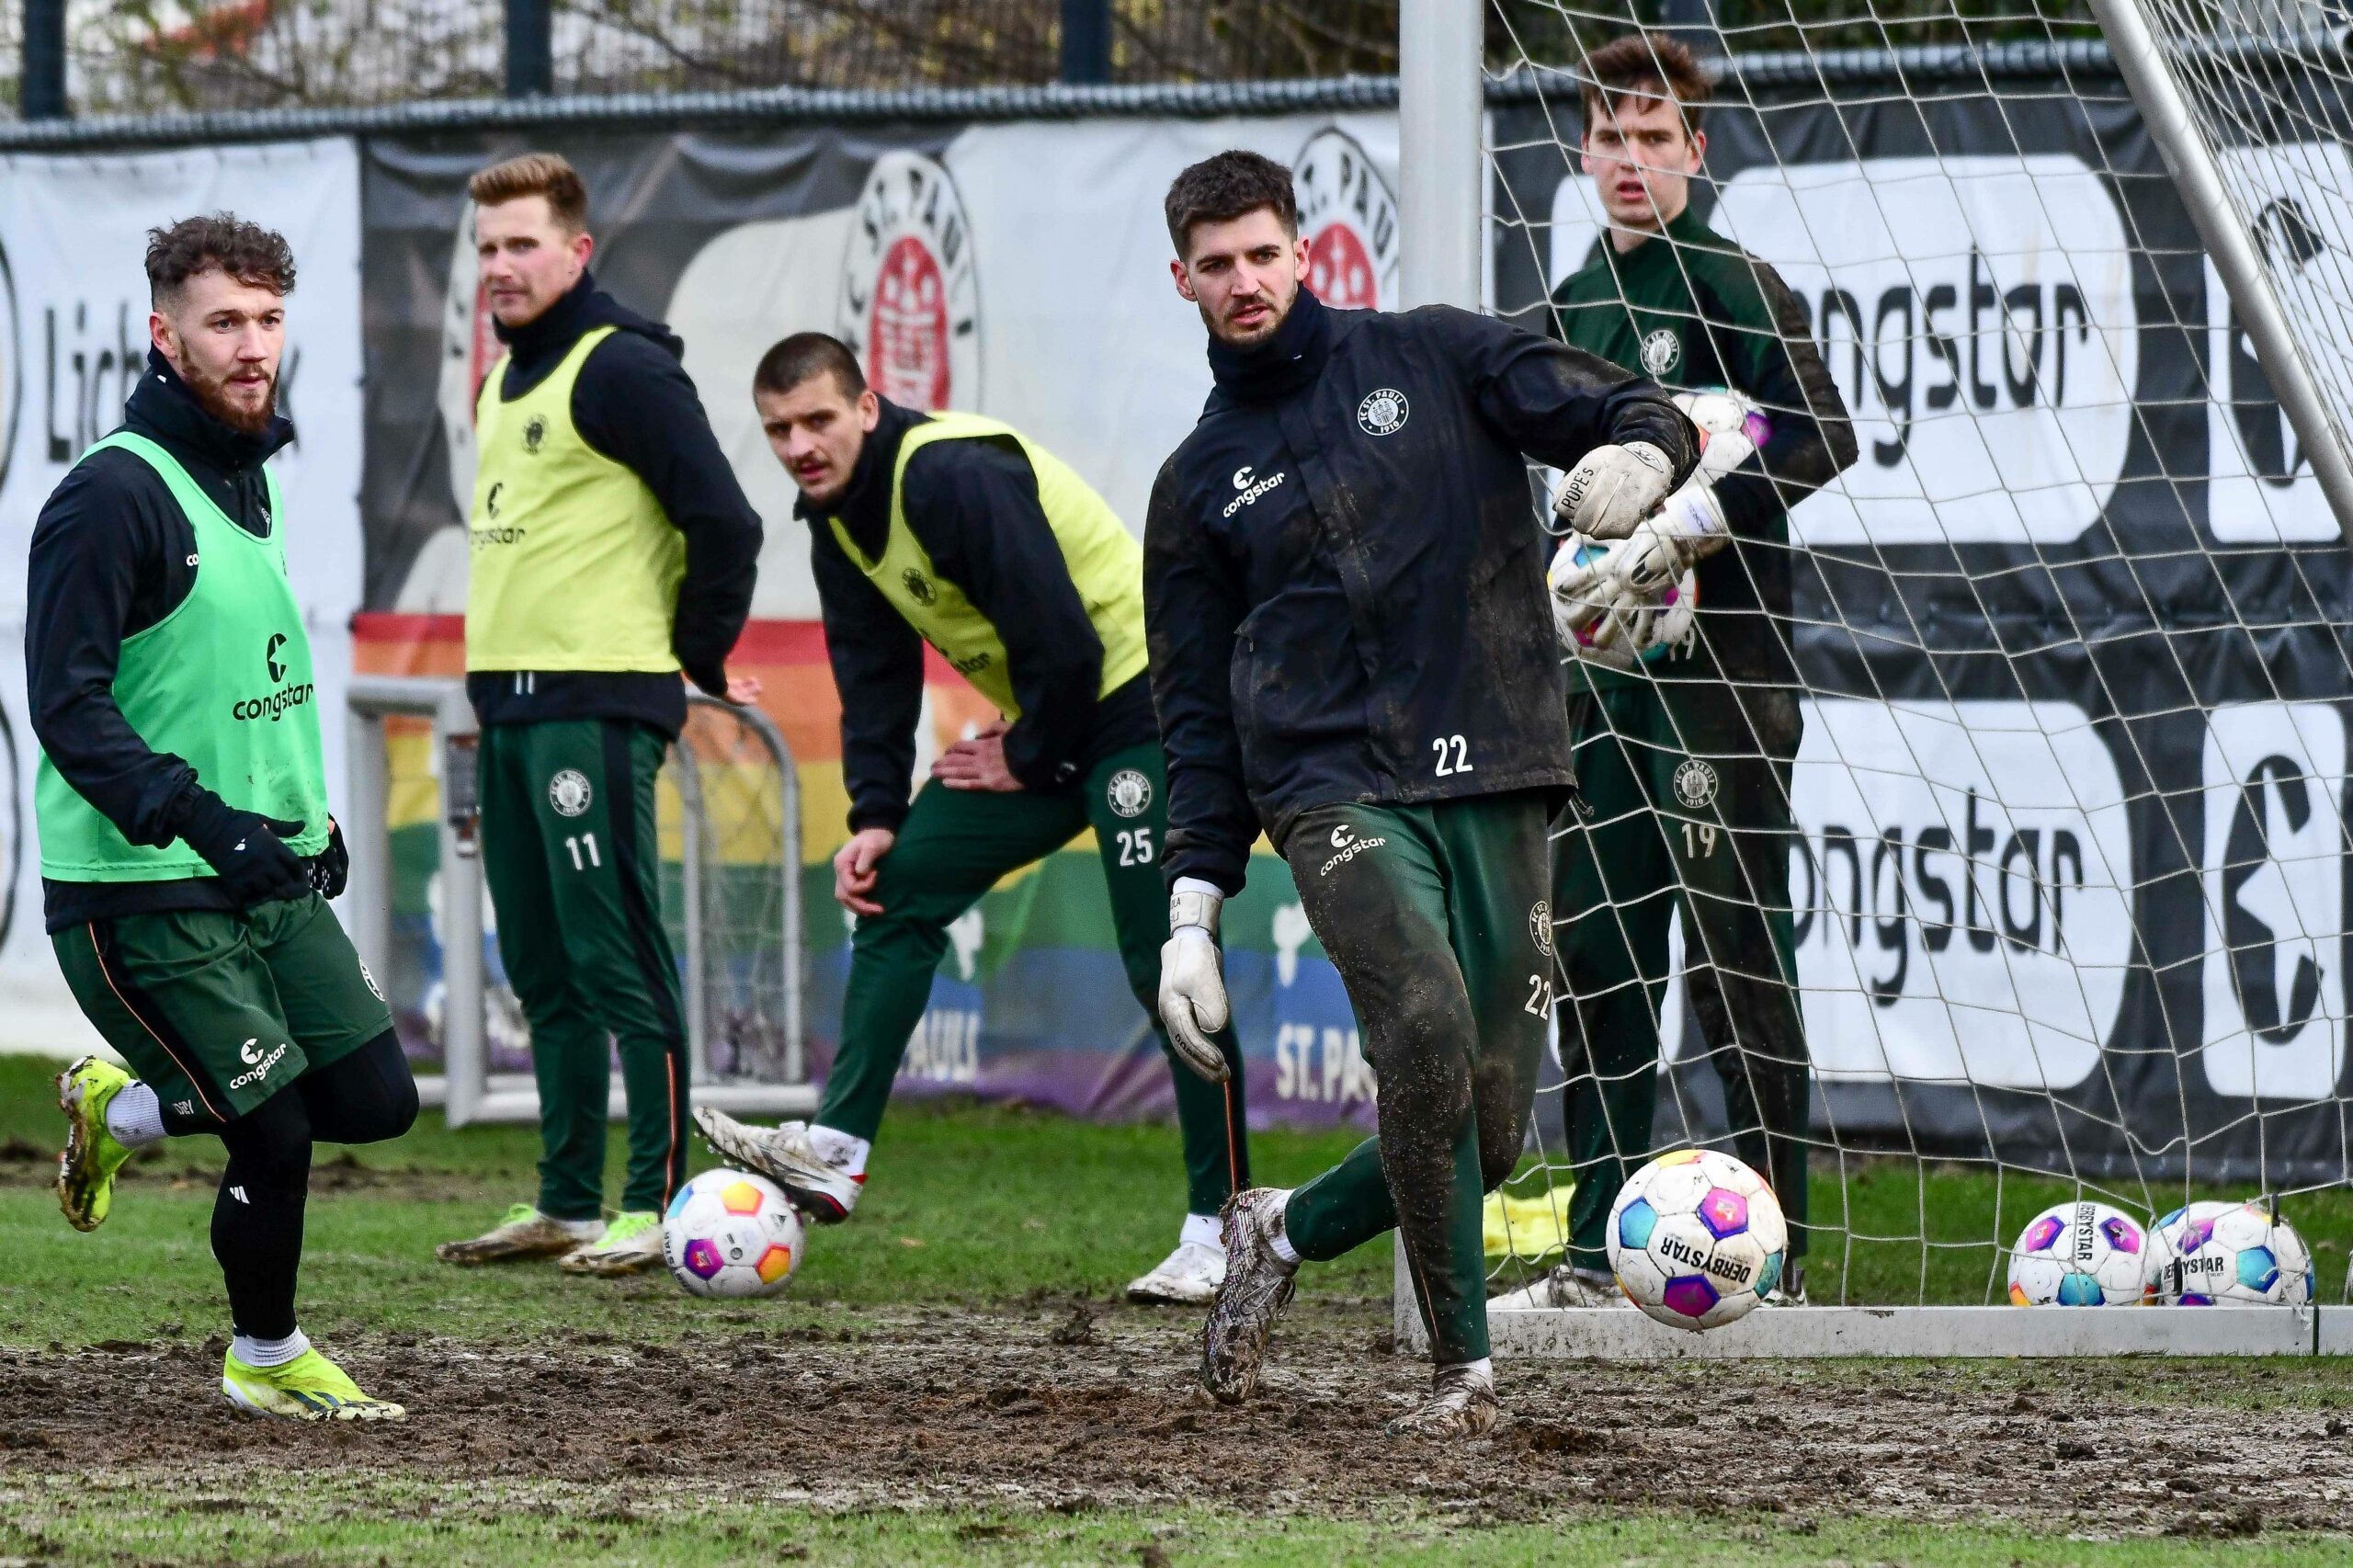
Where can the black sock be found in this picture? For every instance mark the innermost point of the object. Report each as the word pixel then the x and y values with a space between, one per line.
pixel 257 1218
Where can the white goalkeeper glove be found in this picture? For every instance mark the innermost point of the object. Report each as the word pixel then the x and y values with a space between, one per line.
pixel 1574 578
pixel 1664 546
pixel 1192 980
pixel 1612 489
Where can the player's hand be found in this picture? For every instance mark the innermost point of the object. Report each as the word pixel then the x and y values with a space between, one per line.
pixel 247 850
pixel 1612 489
pixel 742 690
pixel 1662 547
pixel 978 763
pixel 854 866
pixel 1192 983
pixel 330 867
pixel 1578 600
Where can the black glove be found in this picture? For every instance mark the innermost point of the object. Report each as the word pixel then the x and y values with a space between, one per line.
pixel 330 867
pixel 248 849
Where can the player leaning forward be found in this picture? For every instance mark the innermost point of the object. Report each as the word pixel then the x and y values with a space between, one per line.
pixel 1685 762
pixel 954 531
pixel 186 853
pixel 1352 647
pixel 612 550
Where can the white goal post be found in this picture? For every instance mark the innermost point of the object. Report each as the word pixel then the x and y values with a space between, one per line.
pixel 2070 874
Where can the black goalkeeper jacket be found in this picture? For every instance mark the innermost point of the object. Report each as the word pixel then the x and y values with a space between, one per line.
pixel 1344 583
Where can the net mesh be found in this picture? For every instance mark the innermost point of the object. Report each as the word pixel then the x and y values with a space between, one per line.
pixel 2064 861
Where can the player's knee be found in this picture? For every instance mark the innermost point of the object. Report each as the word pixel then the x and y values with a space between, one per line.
pixel 269 1146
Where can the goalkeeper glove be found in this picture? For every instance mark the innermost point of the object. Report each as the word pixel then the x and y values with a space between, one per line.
pixel 1662 547
pixel 1192 981
pixel 1612 488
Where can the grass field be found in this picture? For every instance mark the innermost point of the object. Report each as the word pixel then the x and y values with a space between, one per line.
pixel 986 1255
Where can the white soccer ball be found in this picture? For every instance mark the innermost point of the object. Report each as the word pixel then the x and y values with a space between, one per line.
pixel 2081 1253
pixel 1696 1239
pixel 2227 1254
pixel 732 1233
pixel 1732 427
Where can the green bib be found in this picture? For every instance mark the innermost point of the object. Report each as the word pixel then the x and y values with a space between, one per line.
pixel 223 681
pixel 1104 562
pixel 573 564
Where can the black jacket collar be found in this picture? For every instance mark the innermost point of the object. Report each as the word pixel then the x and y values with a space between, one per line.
pixel 864 505
pixel 163 409
pixel 1286 363
pixel 539 346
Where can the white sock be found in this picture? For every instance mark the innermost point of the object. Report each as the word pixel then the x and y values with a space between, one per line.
pixel 1202 1231
pixel 845 1153
pixel 135 1117
pixel 1481 1371
pixel 1277 1239
pixel 586 1230
pixel 260 1353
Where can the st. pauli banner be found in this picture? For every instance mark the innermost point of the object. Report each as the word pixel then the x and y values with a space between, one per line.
pixel 74 338
pixel 2071 882
pixel 1018 270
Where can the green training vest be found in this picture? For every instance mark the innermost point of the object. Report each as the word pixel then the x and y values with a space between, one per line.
pixel 1104 562
pixel 573 564
pixel 223 681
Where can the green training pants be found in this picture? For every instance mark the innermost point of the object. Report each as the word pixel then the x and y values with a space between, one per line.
pixel 575 867
pixel 1435 917
pixel 952 848
pixel 1686 791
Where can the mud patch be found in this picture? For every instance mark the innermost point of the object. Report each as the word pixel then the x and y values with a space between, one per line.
pixel 1020 1408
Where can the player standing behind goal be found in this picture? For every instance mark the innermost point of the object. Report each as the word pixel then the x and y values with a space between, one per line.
pixel 954 531
pixel 186 856
pixel 1685 762
pixel 1351 646
pixel 611 549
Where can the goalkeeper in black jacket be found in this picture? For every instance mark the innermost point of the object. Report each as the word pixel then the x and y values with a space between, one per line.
pixel 1685 758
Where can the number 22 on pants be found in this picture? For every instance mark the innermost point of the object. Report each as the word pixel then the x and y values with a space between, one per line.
pixel 584 851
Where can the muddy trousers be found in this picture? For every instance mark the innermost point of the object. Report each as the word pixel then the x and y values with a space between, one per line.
pixel 1432 917
pixel 573 862
pixel 952 848
pixel 1686 804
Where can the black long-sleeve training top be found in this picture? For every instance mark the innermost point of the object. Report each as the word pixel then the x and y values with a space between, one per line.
pixel 634 402
pixel 973 506
pixel 113 555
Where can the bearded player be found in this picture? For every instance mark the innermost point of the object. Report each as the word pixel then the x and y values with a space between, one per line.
pixel 1685 761
pixel 186 853
pixel 956 531
pixel 1353 649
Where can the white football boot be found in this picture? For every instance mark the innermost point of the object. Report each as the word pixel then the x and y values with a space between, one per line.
pixel 1789 1289
pixel 783 1153
pixel 1562 1287
pixel 1462 1403
pixel 1258 1286
pixel 1187 1277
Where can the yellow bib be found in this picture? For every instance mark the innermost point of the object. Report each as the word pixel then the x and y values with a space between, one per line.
pixel 574 566
pixel 1106 566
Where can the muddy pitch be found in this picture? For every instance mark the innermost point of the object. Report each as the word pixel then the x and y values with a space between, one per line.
pixel 1073 1405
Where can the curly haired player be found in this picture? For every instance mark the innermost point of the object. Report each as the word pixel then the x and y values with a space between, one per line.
pixel 1352 647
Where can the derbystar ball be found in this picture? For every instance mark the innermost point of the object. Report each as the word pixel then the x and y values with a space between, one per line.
pixel 2226 1255
pixel 1696 1239
pixel 2083 1253
pixel 1676 607
pixel 731 1234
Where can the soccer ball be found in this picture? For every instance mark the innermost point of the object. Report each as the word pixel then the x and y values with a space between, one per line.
pixel 1696 1239
pixel 1654 630
pixel 1731 428
pixel 732 1233
pixel 2227 1254
pixel 2078 1254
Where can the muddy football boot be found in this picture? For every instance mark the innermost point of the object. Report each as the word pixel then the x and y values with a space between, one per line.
pixel 308 1388
pixel 631 1244
pixel 1187 1278
pixel 1258 1286
pixel 523 1235
pixel 1562 1286
pixel 85 1170
pixel 1788 1290
pixel 783 1153
pixel 1461 1404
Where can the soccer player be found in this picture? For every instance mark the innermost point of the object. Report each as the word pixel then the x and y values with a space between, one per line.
pixel 613 548
pixel 186 853
pixel 1352 648
pixel 954 531
pixel 1685 762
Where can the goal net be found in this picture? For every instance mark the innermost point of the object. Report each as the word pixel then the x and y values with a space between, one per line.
pixel 2066 883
